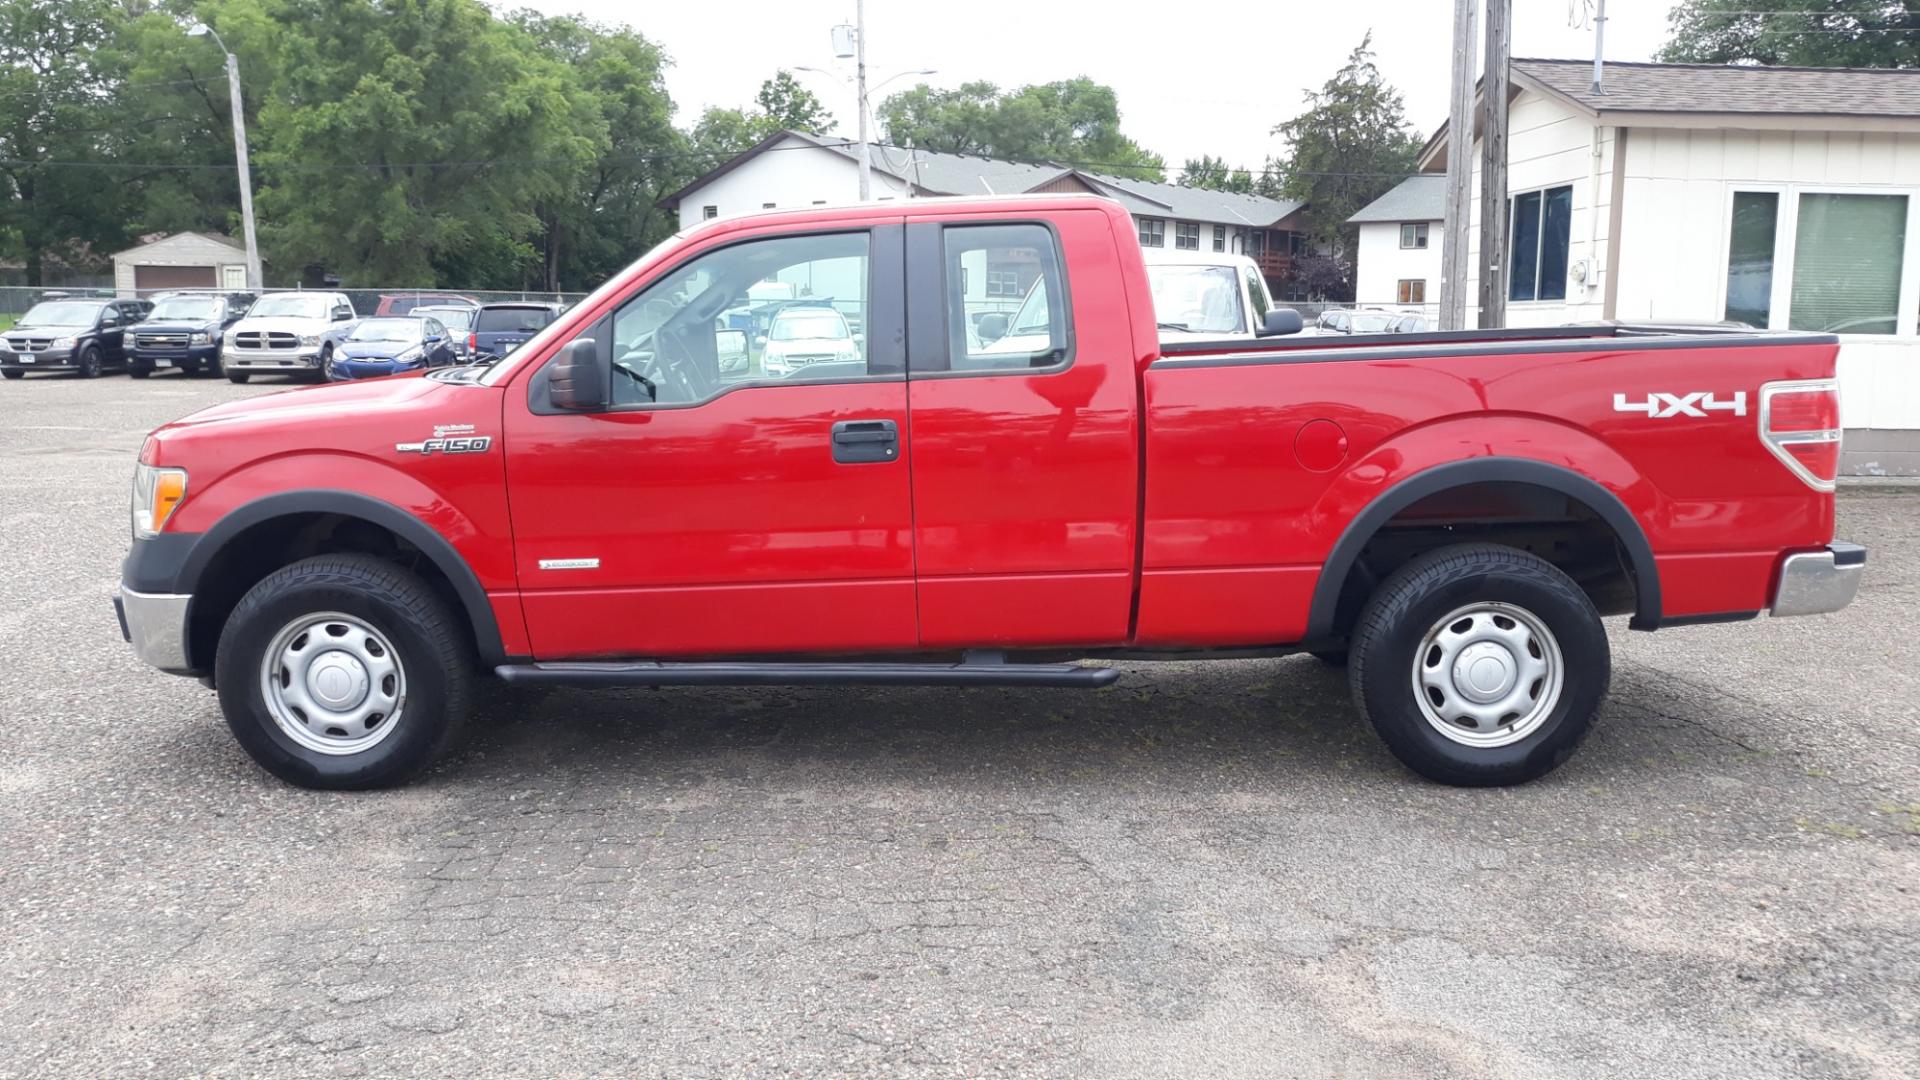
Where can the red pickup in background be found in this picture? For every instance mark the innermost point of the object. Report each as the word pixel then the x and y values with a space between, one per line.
pixel 972 462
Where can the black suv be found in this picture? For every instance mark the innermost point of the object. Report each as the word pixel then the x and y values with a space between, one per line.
pixel 70 335
pixel 183 330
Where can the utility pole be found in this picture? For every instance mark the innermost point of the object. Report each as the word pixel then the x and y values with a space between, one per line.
pixel 254 278
pixel 860 93
pixel 1493 166
pixel 1453 250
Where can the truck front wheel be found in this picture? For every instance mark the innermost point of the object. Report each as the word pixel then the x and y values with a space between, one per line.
pixel 343 671
pixel 1480 665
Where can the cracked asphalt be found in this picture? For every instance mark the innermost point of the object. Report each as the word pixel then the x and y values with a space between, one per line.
pixel 1208 870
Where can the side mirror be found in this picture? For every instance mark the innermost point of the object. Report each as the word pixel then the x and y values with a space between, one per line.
pixel 859 339
pixel 580 379
pixel 1279 321
pixel 761 340
pixel 731 348
pixel 991 327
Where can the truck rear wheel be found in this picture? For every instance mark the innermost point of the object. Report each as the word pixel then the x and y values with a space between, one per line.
pixel 343 672
pixel 1480 665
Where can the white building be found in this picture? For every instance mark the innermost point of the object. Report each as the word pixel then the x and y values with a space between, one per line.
pixel 1784 198
pixel 186 260
pixel 790 169
pixel 1397 259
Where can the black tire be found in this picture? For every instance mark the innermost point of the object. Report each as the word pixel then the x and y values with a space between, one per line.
pixel 237 377
pixel 210 366
pixel 90 362
pixel 13 373
pixel 1336 658
pixel 326 362
pixel 430 643
pixel 139 369
pixel 1415 600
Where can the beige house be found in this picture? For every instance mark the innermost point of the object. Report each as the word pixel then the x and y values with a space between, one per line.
pixel 185 260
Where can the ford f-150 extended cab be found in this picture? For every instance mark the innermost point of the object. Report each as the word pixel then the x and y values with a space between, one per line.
pixel 1451 514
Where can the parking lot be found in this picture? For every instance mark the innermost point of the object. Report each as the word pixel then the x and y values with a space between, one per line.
pixel 1209 870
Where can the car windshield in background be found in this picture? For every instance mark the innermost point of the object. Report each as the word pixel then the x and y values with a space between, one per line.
pixel 388 330
pixel 62 313
pixel 452 318
pixel 494 320
pixel 288 307
pixel 798 327
pixel 195 308
pixel 1372 324
pixel 1203 299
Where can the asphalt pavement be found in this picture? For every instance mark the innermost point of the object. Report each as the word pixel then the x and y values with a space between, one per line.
pixel 1207 870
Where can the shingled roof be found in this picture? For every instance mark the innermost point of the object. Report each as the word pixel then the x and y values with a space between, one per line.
pixel 1417 198
pixel 1730 88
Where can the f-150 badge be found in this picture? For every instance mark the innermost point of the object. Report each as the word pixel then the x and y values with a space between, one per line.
pixel 448 439
pixel 1698 403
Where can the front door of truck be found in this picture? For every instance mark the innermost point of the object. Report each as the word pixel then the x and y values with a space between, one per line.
pixel 746 493
pixel 1025 438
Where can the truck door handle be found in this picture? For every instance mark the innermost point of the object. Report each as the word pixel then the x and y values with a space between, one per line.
pixel 860 441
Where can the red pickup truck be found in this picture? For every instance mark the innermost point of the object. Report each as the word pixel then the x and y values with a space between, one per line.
pixel 976 464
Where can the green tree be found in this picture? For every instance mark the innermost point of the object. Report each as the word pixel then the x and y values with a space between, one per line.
pixel 1347 149
pixel 1207 171
pixel 65 200
pixel 1800 33
pixel 786 104
pixel 1074 122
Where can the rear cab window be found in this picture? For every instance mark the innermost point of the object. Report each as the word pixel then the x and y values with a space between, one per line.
pixel 1006 300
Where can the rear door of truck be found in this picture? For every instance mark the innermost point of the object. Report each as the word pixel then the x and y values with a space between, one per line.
pixel 1024 431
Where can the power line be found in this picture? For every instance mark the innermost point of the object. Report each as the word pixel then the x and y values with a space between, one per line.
pixel 28 92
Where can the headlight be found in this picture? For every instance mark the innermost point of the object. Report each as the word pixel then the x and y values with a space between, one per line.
pixel 201 338
pixel 64 342
pixel 156 493
pixel 308 341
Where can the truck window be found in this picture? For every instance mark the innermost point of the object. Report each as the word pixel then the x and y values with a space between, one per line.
pixel 779 310
pixel 1006 300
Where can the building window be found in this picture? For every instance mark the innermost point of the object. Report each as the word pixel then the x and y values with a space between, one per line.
pixel 1219 238
pixel 1413 235
pixel 1845 250
pixel 1413 290
pixel 819 202
pixel 1153 232
pixel 709 212
pixel 1004 283
pixel 766 206
pixel 1186 236
pixel 1539 234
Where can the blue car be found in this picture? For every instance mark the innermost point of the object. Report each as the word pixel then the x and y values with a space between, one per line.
pixel 388 345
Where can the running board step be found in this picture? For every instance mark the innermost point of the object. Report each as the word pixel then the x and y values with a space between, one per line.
pixel 659 673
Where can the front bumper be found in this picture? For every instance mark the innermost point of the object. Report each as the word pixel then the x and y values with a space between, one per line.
pixel 199 355
pixel 156 625
pixel 1817 582
pixel 44 360
pixel 271 360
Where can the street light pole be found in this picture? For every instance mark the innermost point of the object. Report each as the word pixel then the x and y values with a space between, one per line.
pixel 254 276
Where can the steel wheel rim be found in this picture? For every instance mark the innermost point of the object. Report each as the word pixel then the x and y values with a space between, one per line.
pixel 333 683
pixel 1488 674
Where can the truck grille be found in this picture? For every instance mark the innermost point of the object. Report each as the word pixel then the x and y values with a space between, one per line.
pixel 277 339
pixel 159 341
pixel 28 344
pixel 803 359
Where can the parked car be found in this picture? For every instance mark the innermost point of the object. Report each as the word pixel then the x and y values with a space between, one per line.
pixel 87 336
pixel 386 345
pixel 184 330
pixel 289 333
pixel 803 336
pixel 404 303
pixel 600 508
pixel 458 319
pixel 501 328
pixel 1362 321
pixel 1411 324
pixel 1200 295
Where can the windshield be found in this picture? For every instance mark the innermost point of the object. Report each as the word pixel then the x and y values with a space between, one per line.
pixel 61 313
pixel 193 308
pixel 1032 318
pixel 455 319
pixel 1203 299
pixel 288 307
pixel 492 320
pixel 796 327
pixel 408 330
pixel 1372 324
